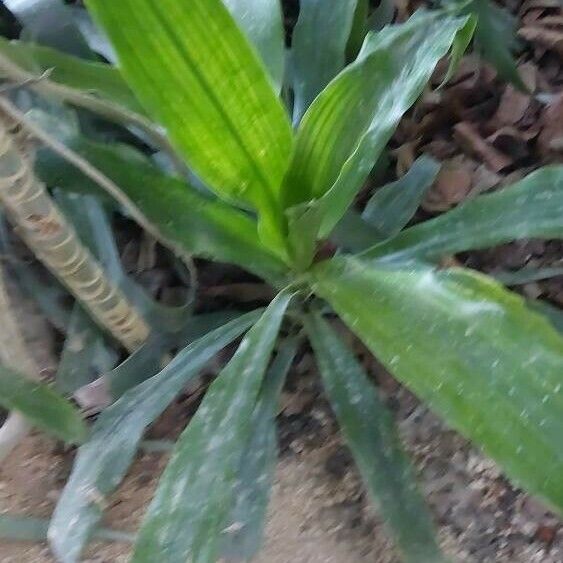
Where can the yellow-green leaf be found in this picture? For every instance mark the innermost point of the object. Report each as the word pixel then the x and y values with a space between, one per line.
pixel 196 73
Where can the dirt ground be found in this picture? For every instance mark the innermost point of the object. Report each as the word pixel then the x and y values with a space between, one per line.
pixel 318 512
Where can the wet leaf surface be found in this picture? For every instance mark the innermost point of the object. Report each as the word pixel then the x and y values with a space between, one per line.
pixel 473 351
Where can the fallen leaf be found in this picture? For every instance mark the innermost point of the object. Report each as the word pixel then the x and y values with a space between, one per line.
pixel 551 39
pixel 510 140
pixel 551 136
pixel 451 187
pixel 471 141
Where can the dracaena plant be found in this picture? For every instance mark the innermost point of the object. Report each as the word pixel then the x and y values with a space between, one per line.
pixel 269 186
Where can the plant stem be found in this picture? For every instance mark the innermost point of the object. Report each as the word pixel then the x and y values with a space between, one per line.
pixel 108 185
pixel 54 241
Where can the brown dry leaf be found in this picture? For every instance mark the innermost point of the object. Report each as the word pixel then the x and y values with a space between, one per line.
pixel 551 136
pixel 472 142
pixel 406 155
pixel 514 103
pixel 484 179
pixel 545 37
pixel 512 141
pixel 512 107
pixel 451 187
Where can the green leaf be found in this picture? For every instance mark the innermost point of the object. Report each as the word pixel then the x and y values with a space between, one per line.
pixel 191 504
pixel 553 314
pixel 102 80
pixel 319 48
pixel 50 22
pixel 472 350
pixel 86 353
pixel 251 493
pixel 354 234
pixel 185 220
pixel 371 434
pixel 532 207
pixel 146 361
pixel 495 36
pixel 102 462
pixel 526 275
pixel 359 29
pixel 382 15
pixel 199 77
pixel 394 205
pixel 94 228
pixel 261 21
pixel 29 528
pixel 41 406
pixel 347 127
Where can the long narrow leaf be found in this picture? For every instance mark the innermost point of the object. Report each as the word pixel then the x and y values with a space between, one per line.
pixel 319 48
pixel 103 461
pixel 261 20
pixel 30 528
pixel 50 22
pixel 372 436
pixel 196 73
pixel 41 406
pixel 527 275
pixel 474 351
pixel 393 206
pixel 86 353
pixel 532 207
pixel 81 76
pixel 258 461
pixel 351 121
pixel 186 219
pixel 191 504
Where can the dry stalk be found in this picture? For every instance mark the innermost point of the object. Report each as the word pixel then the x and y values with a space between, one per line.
pixel 52 238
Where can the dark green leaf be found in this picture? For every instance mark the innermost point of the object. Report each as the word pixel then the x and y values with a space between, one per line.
pixel 258 461
pixel 394 205
pixel 526 275
pixel 103 461
pixel 78 75
pixel 359 29
pixel 532 207
pixel 382 15
pixel 354 234
pixel 50 22
pixel 319 48
pixel 188 221
pixel 86 353
pixel 261 20
pixel 372 436
pixel 553 314
pixel 190 507
pixel 472 350
pixel 29 528
pixel 351 121
pixel 196 73
pixel 41 406
pixel 146 361
pixel 495 36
